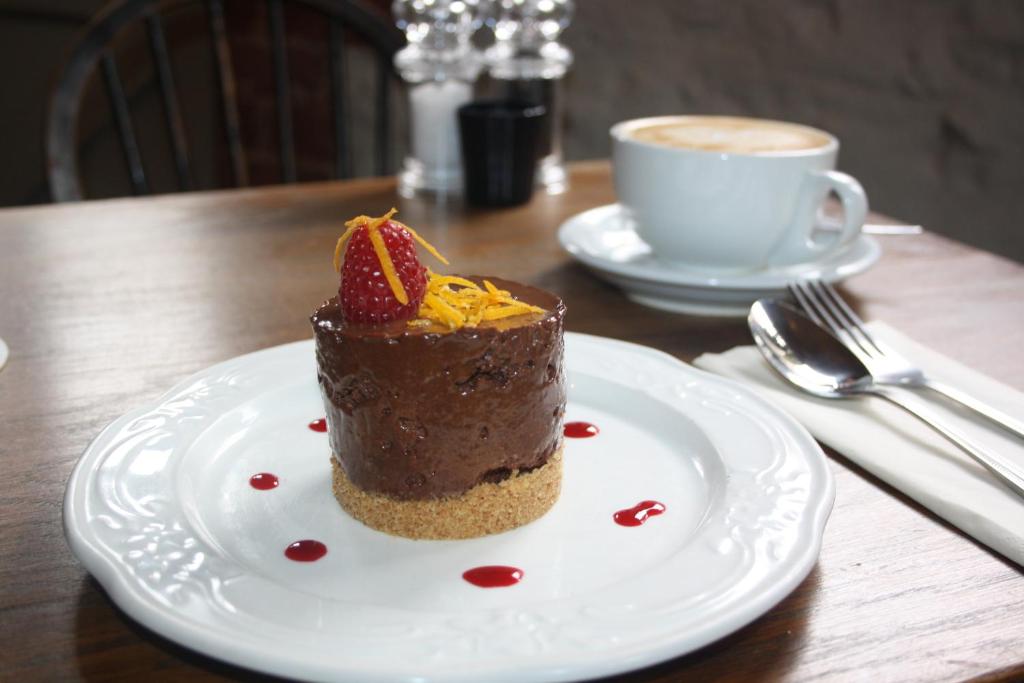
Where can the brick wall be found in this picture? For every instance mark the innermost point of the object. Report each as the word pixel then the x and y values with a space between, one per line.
pixel 308 54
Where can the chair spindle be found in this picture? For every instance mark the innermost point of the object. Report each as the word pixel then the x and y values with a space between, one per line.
pixel 228 91
pixel 282 92
pixel 169 94
pixel 123 120
pixel 342 142
pixel 383 112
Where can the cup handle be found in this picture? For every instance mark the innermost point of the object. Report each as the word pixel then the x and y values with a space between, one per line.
pixel 855 209
pixel 799 245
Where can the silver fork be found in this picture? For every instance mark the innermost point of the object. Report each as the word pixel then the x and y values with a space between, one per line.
pixel 824 305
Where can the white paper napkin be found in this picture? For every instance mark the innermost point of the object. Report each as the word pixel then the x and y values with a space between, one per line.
pixel 901 450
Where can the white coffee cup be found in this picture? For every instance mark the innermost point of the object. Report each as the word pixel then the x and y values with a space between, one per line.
pixel 726 193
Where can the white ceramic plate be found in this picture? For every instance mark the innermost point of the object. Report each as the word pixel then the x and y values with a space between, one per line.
pixel 160 511
pixel 4 353
pixel 604 240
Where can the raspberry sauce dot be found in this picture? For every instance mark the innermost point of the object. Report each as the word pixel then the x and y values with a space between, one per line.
pixel 639 513
pixel 493 576
pixel 264 481
pixel 580 430
pixel 306 550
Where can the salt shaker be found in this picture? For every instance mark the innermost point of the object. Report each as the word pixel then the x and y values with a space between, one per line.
pixel 440 65
pixel 526 62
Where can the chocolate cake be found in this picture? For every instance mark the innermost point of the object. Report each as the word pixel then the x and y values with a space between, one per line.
pixel 442 431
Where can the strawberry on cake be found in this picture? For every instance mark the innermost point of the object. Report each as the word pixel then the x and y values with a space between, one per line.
pixel 444 394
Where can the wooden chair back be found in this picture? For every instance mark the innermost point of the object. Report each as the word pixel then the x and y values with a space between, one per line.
pixel 94 47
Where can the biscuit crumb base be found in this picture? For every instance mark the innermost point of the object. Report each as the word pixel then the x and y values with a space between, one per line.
pixel 484 509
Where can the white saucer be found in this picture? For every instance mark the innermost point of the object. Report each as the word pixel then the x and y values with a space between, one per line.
pixel 604 240
pixel 160 510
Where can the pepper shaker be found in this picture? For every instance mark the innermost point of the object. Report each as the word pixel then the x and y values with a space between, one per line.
pixel 527 63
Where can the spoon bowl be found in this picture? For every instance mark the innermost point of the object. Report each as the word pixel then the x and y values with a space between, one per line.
pixel 804 353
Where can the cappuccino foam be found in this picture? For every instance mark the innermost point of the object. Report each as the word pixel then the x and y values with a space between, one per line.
pixel 731 134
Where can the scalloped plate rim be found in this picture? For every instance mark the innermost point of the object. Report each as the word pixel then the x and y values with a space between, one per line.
pixel 111 575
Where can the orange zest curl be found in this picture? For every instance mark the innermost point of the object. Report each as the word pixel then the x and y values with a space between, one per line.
pixel 387 266
pixel 423 243
pixel 456 302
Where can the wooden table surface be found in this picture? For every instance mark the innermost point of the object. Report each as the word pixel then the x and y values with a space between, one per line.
pixel 106 304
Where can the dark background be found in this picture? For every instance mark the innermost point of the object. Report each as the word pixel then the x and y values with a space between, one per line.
pixel 927 96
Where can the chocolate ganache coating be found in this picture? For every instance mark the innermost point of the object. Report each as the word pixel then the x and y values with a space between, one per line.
pixel 426 412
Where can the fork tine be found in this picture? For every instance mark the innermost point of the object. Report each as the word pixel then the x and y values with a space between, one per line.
pixel 855 323
pixel 813 299
pixel 853 342
pixel 804 302
pixel 818 312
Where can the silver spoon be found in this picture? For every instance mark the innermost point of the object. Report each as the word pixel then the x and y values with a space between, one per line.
pixel 811 358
